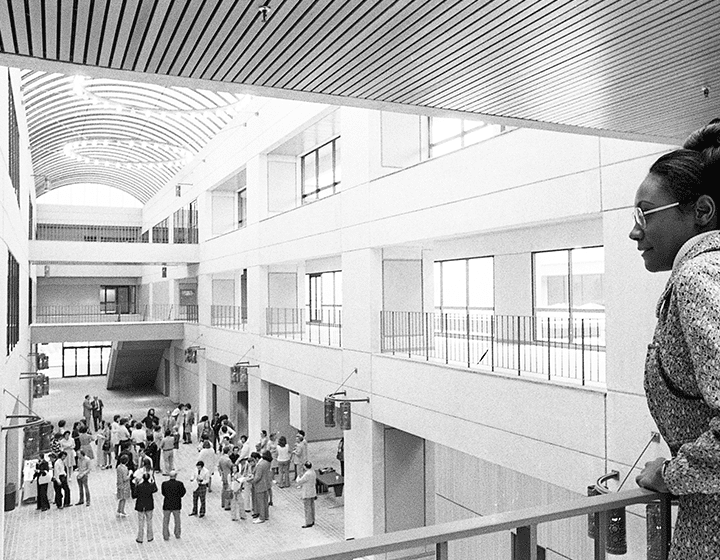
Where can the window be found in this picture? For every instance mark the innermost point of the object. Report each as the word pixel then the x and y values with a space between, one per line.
pixel 568 293
pixel 320 171
pixel 13 143
pixel 446 135
pixel 160 232
pixel 324 299
pixel 185 224
pixel 464 285
pixel 117 300
pixel 13 303
pixel 241 208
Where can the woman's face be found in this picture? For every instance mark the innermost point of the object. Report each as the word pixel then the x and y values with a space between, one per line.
pixel 665 231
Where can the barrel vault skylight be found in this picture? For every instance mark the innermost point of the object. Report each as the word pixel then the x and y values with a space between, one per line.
pixel 128 135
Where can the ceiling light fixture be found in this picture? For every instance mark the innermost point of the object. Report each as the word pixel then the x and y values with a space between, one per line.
pixel 124 149
pixel 229 110
pixel 265 10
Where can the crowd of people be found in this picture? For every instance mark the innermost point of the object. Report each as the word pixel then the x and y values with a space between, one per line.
pixel 142 450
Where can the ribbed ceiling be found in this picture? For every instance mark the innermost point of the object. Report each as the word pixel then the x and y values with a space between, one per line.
pixel 622 67
pixel 126 135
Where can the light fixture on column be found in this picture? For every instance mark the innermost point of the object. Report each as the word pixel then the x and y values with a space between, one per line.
pixel 616 534
pixel 191 354
pixel 265 10
pixel 345 406
pixel 239 371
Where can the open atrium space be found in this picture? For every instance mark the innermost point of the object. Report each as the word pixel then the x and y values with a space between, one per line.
pixel 384 244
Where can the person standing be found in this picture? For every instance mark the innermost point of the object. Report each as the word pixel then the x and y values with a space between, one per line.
pixel 83 472
pixel 202 477
pixel 207 456
pixel 676 230
pixel 262 482
pixel 123 485
pixel 173 491
pixel 167 446
pixel 87 413
pixel 225 470
pixel 189 423
pixel 144 505
pixel 341 455
pixel 299 454
pixel 283 459
pixel 97 408
pixel 60 482
pixel 236 487
pixel 43 478
pixel 309 493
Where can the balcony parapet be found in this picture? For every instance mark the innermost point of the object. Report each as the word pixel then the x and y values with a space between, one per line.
pixel 525 521
pixel 553 348
pixel 54 314
pixel 322 326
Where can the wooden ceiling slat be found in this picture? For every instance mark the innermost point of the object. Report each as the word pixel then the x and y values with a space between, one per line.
pixel 374 26
pixel 191 37
pixel 141 22
pixel 177 28
pixel 304 39
pixel 95 26
pixel 338 26
pixel 151 34
pixel 6 29
pixel 480 50
pixel 66 17
pixel 122 32
pixel 21 27
pixel 436 21
pixel 587 68
pixel 252 33
pixel 112 22
pixel 471 41
pixel 300 21
pixel 237 25
pixel 79 41
pixel 213 22
pixel 572 54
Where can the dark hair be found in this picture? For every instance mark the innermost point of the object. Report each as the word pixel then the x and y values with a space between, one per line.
pixel 267 456
pixel 706 141
pixel 123 459
pixel 681 172
pixel 200 464
pixel 282 441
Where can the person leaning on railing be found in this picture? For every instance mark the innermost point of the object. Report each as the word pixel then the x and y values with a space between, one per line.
pixel 676 229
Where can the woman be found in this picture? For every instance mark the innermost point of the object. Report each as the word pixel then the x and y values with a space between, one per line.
pixel 283 461
pixel 123 485
pixel 676 225
pixel 272 448
pixel 43 477
pixel 86 441
pixel 237 505
pixel 67 444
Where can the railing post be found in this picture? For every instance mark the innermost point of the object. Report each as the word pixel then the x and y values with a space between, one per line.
pixel 393 332
pixel 467 335
pixel 409 328
pixel 549 352
pixel 526 543
pixel 665 528
pixel 493 318
pixel 517 337
pixel 601 522
pixel 582 349
pixel 447 340
pixel 427 337
pixel 441 551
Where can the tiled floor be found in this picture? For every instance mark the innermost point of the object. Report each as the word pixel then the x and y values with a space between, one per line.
pixel 95 532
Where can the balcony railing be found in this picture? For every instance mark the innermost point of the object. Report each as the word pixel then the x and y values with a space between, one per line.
pixel 324 327
pixel 91 233
pixel 99 314
pixel 436 540
pixel 228 316
pixel 551 347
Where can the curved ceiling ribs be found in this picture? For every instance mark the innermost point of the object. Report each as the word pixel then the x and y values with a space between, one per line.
pixel 131 136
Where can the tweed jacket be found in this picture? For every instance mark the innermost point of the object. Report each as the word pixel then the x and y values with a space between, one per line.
pixel 682 374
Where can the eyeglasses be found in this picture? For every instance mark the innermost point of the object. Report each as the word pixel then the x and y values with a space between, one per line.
pixel 639 214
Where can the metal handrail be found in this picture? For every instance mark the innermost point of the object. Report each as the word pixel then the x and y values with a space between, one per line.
pixel 439 535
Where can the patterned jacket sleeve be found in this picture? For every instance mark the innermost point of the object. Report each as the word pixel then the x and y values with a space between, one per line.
pixel 696 467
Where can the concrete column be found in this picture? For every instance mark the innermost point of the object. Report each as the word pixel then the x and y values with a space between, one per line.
pixel 364 478
pixel 362 301
pixel 257 278
pixel 258 407
pixel 203 405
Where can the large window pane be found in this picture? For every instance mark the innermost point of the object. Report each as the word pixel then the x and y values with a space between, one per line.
pixel 443 129
pixel 309 173
pixel 480 283
pixel 588 267
pixel 551 280
pixel 454 285
pixel 325 161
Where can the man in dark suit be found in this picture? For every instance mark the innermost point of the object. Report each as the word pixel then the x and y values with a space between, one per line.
pixel 144 505
pixel 173 491
pixel 262 483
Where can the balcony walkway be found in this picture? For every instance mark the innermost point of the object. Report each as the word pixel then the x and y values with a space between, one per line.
pixel 95 532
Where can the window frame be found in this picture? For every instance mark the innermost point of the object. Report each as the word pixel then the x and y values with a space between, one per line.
pixel 462 136
pixel 306 197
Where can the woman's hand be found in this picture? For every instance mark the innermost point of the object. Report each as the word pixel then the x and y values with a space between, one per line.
pixel 651 476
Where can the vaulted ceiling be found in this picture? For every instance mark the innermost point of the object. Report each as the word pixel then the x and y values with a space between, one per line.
pixel 620 67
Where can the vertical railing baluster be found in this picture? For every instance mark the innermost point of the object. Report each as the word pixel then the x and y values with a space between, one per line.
pixel 549 351
pixel 467 336
pixel 665 525
pixel 526 543
pixel 492 342
pixel 409 329
pixel 447 339
pixel 582 349
pixel 427 337
pixel 441 551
